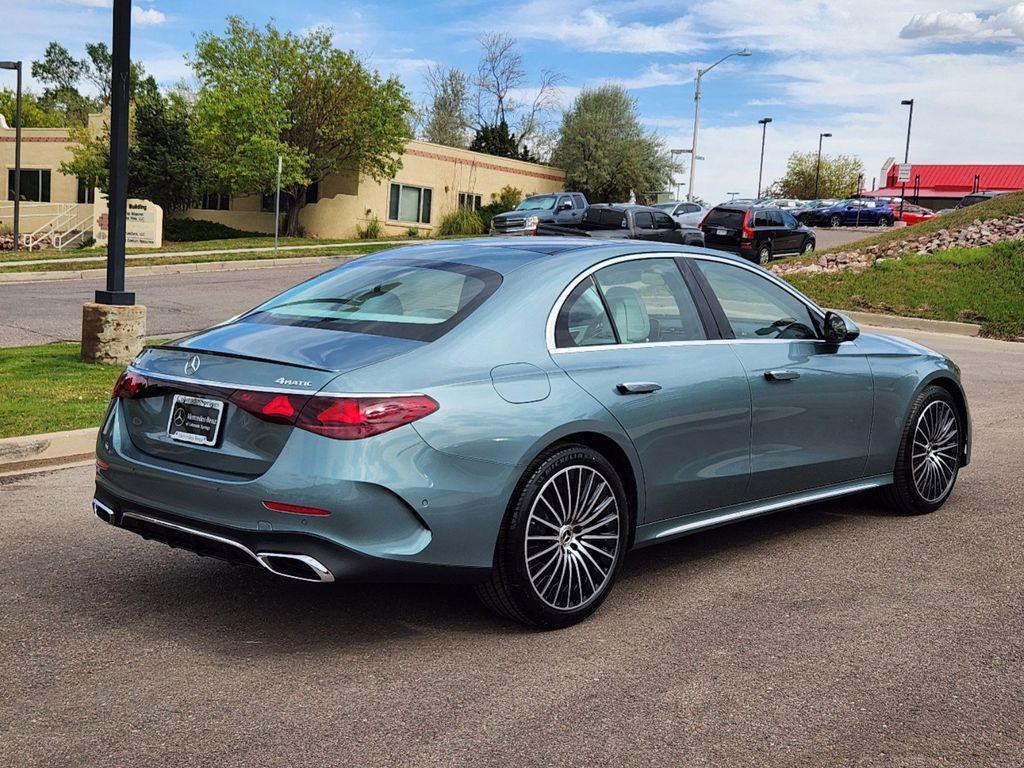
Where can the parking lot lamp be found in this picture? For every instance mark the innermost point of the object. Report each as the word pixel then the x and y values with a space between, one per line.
pixel 817 168
pixel 906 153
pixel 696 113
pixel 760 170
pixel 16 65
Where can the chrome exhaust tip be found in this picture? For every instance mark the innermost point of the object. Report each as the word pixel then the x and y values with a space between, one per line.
pixel 302 567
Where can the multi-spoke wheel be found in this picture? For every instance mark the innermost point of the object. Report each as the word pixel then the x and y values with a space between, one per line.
pixel 562 542
pixel 930 453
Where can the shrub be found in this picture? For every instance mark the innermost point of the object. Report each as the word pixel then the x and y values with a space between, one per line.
pixel 412 232
pixel 461 222
pixel 373 230
pixel 505 200
pixel 187 230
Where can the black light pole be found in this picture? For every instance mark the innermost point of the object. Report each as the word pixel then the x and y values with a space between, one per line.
pixel 817 168
pixel 906 154
pixel 763 122
pixel 117 200
pixel 16 65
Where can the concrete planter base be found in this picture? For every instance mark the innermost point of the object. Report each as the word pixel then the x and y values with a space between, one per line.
pixel 112 335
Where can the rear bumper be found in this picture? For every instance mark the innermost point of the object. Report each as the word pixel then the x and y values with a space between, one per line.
pixel 306 557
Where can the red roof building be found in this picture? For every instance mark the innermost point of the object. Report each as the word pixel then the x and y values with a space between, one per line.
pixel 939 186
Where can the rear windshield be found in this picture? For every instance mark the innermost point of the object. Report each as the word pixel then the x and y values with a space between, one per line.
pixel 539 203
pixel 724 217
pixel 404 298
pixel 605 217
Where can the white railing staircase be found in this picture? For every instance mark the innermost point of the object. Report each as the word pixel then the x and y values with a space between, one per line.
pixel 65 224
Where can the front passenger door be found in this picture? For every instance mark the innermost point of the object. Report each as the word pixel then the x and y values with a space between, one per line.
pixel 811 400
pixel 666 228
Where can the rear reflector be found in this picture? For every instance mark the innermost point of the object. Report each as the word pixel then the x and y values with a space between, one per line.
pixel 353 418
pixel 294 509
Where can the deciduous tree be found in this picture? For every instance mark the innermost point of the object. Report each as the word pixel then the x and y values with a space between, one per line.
pixel 263 94
pixel 448 115
pixel 839 176
pixel 605 151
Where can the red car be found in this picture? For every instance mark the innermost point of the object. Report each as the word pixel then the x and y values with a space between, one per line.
pixel 912 214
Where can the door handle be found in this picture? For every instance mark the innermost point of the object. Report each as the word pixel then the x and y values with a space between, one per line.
pixel 637 387
pixel 781 375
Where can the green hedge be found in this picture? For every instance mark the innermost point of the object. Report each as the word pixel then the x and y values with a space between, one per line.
pixel 189 230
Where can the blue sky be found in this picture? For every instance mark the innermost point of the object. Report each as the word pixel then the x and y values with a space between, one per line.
pixel 818 65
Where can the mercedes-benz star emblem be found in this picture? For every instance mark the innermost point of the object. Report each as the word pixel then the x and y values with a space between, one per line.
pixel 192 365
pixel 179 417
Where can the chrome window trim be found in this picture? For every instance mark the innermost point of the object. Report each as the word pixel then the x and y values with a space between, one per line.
pixel 255 388
pixel 549 332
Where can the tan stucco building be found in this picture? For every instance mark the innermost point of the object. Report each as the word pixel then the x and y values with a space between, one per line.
pixel 433 181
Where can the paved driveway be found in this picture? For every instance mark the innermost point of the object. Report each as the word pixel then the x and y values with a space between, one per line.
pixel 833 635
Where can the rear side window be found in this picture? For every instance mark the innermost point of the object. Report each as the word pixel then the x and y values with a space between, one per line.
pixel 643 220
pixel 583 320
pixel 649 302
pixel 605 217
pixel 724 217
pixel 755 307
pixel 404 298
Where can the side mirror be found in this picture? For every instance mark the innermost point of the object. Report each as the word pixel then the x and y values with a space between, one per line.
pixel 839 328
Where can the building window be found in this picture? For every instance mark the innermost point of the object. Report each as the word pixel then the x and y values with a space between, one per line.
pixel 35 185
pixel 470 201
pixel 313 193
pixel 86 190
pixel 216 201
pixel 410 203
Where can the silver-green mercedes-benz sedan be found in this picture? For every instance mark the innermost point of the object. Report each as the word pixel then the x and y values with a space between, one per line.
pixel 517 414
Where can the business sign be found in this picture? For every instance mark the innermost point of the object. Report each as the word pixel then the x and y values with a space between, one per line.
pixel 144 224
pixel 903 173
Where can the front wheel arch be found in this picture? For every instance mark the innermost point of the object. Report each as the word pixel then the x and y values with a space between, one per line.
pixel 957 393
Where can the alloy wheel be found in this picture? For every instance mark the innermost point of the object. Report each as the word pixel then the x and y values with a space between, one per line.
pixel 936 451
pixel 764 256
pixel 573 537
pixel 835 221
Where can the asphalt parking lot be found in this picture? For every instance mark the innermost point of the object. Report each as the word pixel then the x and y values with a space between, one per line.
pixel 830 635
pixel 44 312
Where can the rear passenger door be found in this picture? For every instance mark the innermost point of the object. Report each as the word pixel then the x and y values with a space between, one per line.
pixel 634 337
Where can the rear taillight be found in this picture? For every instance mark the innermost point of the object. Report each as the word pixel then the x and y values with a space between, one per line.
pixel 353 418
pixel 747 233
pixel 703 219
pixel 270 406
pixel 130 384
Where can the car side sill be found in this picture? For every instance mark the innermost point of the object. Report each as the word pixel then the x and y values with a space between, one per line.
pixel 662 530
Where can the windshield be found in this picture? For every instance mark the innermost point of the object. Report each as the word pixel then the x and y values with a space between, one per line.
pixel 667 207
pixel 538 203
pixel 404 298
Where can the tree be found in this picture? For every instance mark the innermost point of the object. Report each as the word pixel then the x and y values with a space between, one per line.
pixel 497 140
pixel 605 151
pixel 163 165
pixel 448 116
pixel 500 76
pixel 33 113
pixel 61 73
pixel 839 176
pixel 264 94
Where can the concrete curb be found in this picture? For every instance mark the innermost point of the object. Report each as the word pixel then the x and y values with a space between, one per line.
pixel 913 323
pixel 35 451
pixel 173 269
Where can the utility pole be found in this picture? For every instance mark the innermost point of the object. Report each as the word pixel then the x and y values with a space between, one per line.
pixel 760 171
pixel 16 65
pixel 696 114
pixel 817 168
pixel 906 154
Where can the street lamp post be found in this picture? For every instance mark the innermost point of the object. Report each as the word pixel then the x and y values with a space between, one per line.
pixel 906 153
pixel 696 114
pixel 16 65
pixel 760 171
pixel 675 152
pixel 817 168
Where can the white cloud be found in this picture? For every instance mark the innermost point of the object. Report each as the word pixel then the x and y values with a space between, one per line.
pixel 147 16
pixel 967 26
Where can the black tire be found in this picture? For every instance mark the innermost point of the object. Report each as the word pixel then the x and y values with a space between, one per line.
pixel 764 254
pixel 808 246
pixel 905 494
pixel 885 221
pixel 835 221
pixel 510 590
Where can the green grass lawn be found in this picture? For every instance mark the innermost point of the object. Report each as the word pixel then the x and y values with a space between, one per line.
pixel 48 388
pixel 982 285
